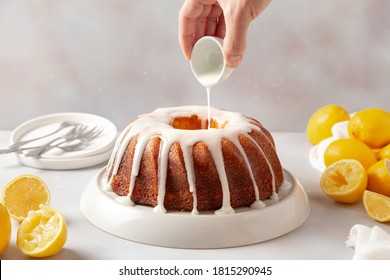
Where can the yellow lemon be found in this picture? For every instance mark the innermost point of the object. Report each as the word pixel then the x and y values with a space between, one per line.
pixel 384 152
pixel 379 177
pixel 344 181
pixel 371 126
pixel 43 233
pixel 320 123
pixel 349 149
pixel 5 228
pixel 23 194
pixel 377 206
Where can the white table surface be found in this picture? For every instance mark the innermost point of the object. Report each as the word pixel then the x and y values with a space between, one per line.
pixel 321 237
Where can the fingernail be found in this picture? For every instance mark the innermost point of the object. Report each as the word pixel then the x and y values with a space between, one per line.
pixel 234 60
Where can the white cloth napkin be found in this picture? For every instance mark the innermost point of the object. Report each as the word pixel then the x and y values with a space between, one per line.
pixel 369 243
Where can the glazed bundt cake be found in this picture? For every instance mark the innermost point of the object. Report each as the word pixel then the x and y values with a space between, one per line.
pixel 169 159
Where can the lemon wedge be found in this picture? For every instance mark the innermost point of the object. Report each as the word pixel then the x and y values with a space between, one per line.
pixel 377 206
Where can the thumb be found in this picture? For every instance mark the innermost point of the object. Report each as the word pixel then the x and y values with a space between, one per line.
pixel 234 44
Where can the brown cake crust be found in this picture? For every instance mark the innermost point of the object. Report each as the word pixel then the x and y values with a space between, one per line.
pixel 209 194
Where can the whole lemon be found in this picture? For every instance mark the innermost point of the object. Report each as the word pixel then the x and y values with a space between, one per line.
pixel 348 148
pixel 320 123
pixel 5 228
pixel 379 177
pixel 371 126
pixel 384 152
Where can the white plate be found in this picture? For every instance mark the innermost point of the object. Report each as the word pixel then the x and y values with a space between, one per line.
pixel 97 152
pixel 66 163
pixel 183 230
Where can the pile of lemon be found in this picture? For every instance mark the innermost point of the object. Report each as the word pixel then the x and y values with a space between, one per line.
pixel 359 166
pixel 42 231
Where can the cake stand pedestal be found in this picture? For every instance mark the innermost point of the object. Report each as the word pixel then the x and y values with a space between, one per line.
pixel 206 230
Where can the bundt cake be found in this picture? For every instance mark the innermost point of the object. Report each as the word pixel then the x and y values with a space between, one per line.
pixel 169 159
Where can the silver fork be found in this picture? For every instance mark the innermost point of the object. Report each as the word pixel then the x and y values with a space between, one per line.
pixel 62 126
pixel 84 137
pixel 66 148
pixel 73 134
pixel 84 140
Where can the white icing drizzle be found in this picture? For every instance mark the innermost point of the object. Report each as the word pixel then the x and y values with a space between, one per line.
pixel 187 155
pixel 162 174
pixel 216 153
pixel 157 124
pixel 139 148
pixel 274 195
pixel 258 203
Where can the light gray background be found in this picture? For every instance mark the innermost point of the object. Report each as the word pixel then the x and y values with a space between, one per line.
pixel 121 58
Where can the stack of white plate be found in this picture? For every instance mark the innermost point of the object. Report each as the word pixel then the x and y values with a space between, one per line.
pixel 96 152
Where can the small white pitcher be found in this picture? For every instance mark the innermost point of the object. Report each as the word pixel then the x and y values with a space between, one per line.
pixel 207 61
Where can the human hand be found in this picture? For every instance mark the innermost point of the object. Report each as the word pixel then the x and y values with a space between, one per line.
pixel 226 19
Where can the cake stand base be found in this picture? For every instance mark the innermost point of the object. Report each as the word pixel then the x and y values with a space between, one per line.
pixel 184 230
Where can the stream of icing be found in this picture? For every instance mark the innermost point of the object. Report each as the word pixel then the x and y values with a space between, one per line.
pixel 208 90
pixel 210 79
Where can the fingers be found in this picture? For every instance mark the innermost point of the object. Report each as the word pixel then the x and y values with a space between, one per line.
pixel 238 16
pixel 235 40
pixel 201 22
pixel 213 19
pixel 187 23
pixel 226 19
pixel 197 18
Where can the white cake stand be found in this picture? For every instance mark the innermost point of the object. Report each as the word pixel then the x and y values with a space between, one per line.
pixel 206 230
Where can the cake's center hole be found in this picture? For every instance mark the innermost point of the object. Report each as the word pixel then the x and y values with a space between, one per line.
pixel 194 123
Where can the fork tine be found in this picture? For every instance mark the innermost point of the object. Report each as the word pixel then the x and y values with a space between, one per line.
pixel 92 133
pixel 97 132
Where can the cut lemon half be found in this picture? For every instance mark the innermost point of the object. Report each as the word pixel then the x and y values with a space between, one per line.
pixel 43 233
pixel 377 206
pixel 23 194
pixel 344 181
